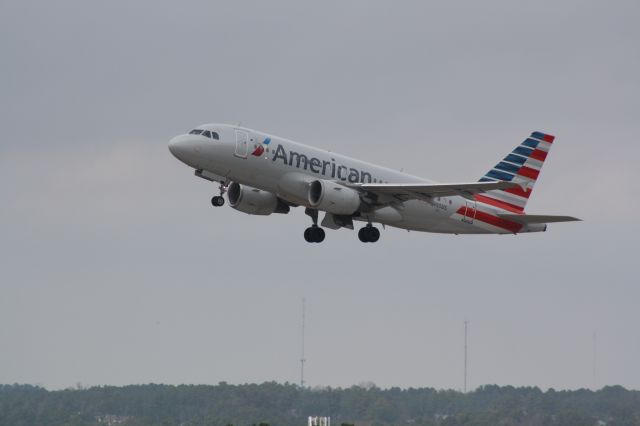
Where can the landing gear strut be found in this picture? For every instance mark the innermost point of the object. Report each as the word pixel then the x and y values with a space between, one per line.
pixel 218 200
pixel 313 234
pixel 369 234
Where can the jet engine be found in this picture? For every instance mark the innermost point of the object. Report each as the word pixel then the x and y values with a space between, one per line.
pixel 333 198
pixel 254 201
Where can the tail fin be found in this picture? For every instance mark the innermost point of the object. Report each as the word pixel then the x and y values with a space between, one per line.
pixel 523 166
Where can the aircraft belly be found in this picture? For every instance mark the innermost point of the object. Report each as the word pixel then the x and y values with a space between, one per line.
pixel 294 187
pixel 434 217
pixel 387 215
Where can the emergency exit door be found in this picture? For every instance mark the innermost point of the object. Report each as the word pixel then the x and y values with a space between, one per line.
pixel 242 143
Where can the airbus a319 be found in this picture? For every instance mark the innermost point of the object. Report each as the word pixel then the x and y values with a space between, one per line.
pixel 262 174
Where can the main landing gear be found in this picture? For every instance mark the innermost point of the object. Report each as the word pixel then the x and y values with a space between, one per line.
pixel 369 234
pixel 313 234
pixel 218 200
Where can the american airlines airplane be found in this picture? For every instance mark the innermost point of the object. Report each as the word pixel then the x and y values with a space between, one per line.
pixel 264 174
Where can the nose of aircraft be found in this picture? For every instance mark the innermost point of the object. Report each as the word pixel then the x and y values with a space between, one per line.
pixel 183 147
pixel 177 146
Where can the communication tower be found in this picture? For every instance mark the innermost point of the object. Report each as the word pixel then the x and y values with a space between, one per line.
pixel 302 358
pixel 466 323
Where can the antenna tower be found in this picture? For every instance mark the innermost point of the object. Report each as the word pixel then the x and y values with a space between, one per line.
pixel 465 355
pixel 302 359
pixel 595 365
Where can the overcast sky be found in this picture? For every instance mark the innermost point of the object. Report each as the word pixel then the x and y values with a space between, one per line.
pixel 115 269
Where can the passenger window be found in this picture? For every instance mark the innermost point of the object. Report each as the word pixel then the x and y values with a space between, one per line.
pixel 195 132
pixel 215 136
pixel 206 133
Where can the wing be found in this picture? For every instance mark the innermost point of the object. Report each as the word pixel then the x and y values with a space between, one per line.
pixel 426 191
pixel 526 219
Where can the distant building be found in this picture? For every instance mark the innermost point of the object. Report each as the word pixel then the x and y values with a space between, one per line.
pixel 112 419
pixel 319 421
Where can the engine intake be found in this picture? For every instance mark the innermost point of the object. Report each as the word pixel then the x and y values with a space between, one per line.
pixel 254 201
pixel 333 198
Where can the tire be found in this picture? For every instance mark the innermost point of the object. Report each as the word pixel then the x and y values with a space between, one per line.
pixel 318 235
pixel 308 237
pixel 374 234
pixel 217 201
pixel 363 235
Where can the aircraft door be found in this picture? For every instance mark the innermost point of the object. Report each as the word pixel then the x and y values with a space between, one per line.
pixel 469 211
pixel 242 143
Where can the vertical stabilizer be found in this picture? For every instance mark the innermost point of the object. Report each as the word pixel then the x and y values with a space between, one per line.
pixel 523 166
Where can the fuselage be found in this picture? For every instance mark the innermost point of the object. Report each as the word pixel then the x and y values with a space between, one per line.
pixel 285 168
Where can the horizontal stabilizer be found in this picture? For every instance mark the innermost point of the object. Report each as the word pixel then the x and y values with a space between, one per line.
pixel 526 219
pixel 407 191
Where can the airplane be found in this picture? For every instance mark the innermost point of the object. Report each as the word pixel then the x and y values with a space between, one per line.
pixel 262 174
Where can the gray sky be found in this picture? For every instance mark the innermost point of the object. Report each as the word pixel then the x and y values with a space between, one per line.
pixel 116 270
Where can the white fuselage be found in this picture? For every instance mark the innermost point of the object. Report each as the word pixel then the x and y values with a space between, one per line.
pixel 286 168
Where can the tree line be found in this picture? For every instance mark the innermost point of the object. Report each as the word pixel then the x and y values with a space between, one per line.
pixel 287 404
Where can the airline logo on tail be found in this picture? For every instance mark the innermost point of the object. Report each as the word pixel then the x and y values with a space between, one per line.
pixel 523 166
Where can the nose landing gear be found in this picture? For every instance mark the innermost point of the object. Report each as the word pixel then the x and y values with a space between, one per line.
pixel 218 200
pixel 369 234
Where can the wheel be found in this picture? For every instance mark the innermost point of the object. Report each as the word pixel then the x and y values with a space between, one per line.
pixel 217 201
pixel 363 235
pixel 307 235
pixel 314 234
pixel 369 234
pixel 318 234
pixel 374 234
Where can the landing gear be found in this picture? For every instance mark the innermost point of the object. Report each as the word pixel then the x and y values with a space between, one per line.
pixel 313 234
pixel 369 234
pixel 218 200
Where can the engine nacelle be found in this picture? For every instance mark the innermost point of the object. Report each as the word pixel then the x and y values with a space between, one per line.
pixel 333 198
pixel 254 201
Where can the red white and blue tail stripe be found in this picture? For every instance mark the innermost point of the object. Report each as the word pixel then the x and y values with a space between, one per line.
pixel 523 166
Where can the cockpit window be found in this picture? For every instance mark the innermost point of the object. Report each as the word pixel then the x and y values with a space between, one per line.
pixel 206 133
